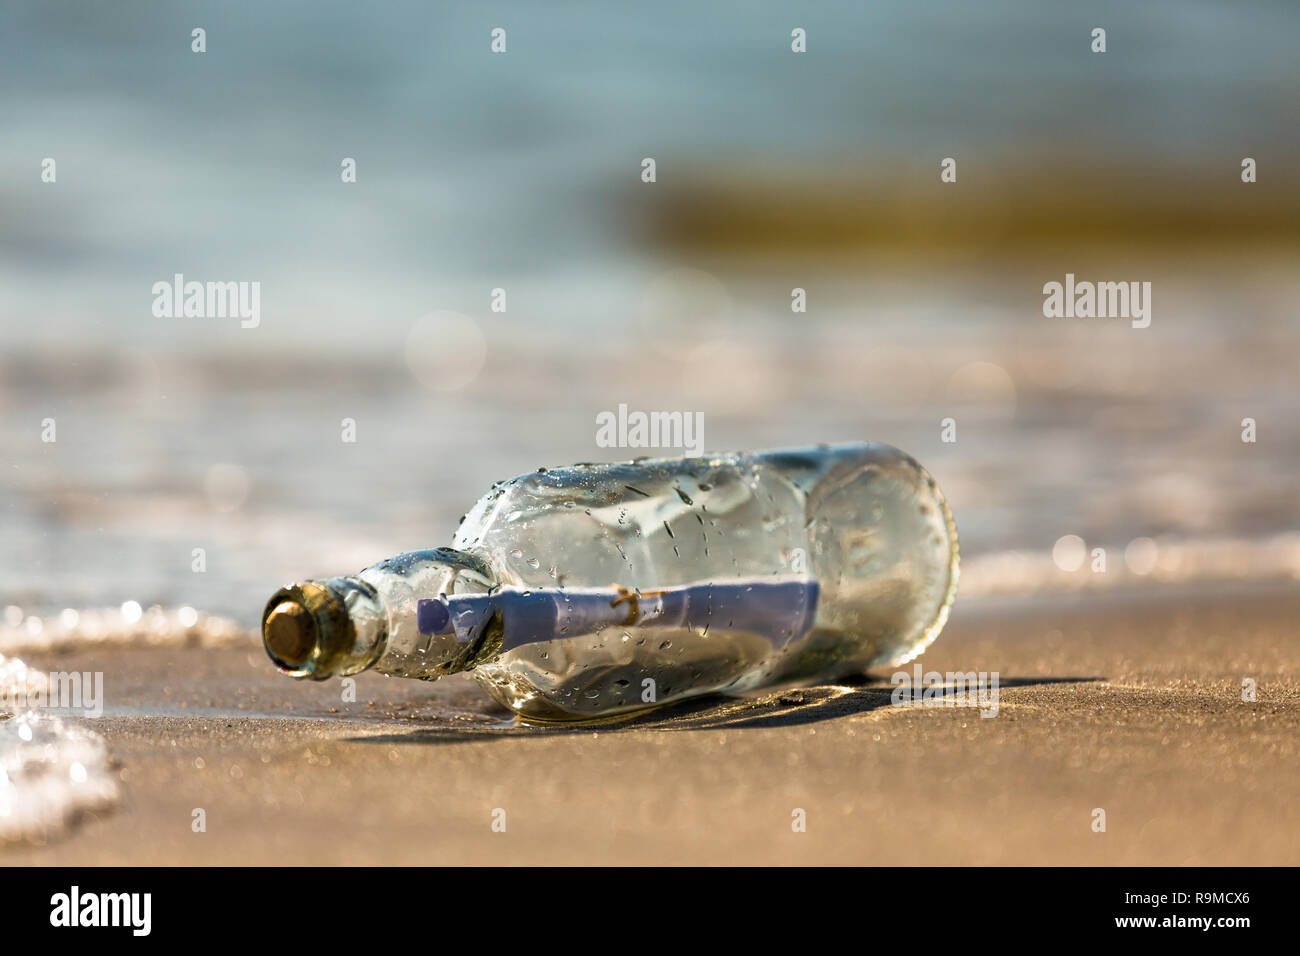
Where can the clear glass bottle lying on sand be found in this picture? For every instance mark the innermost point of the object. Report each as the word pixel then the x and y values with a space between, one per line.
pixel 585 592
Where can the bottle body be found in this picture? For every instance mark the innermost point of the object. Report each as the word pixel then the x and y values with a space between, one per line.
pixel 590 591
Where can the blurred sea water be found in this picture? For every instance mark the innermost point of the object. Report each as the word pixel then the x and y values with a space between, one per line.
pixel 521 171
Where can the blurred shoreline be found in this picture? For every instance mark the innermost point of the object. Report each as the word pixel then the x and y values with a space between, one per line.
pixel 998 212
pixel 1084 428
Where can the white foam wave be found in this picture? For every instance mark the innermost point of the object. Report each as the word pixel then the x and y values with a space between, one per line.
pixel 52 771
pixel 127 626
pixel 1137 563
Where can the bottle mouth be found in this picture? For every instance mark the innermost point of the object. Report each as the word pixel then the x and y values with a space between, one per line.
pixel 309 630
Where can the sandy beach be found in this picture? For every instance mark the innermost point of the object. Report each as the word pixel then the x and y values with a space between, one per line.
pixel 1133 707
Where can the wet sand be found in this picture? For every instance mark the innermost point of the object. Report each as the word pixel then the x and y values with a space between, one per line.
pixel 1131 704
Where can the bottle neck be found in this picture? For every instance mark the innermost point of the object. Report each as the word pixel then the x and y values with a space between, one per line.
pixel 344 625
